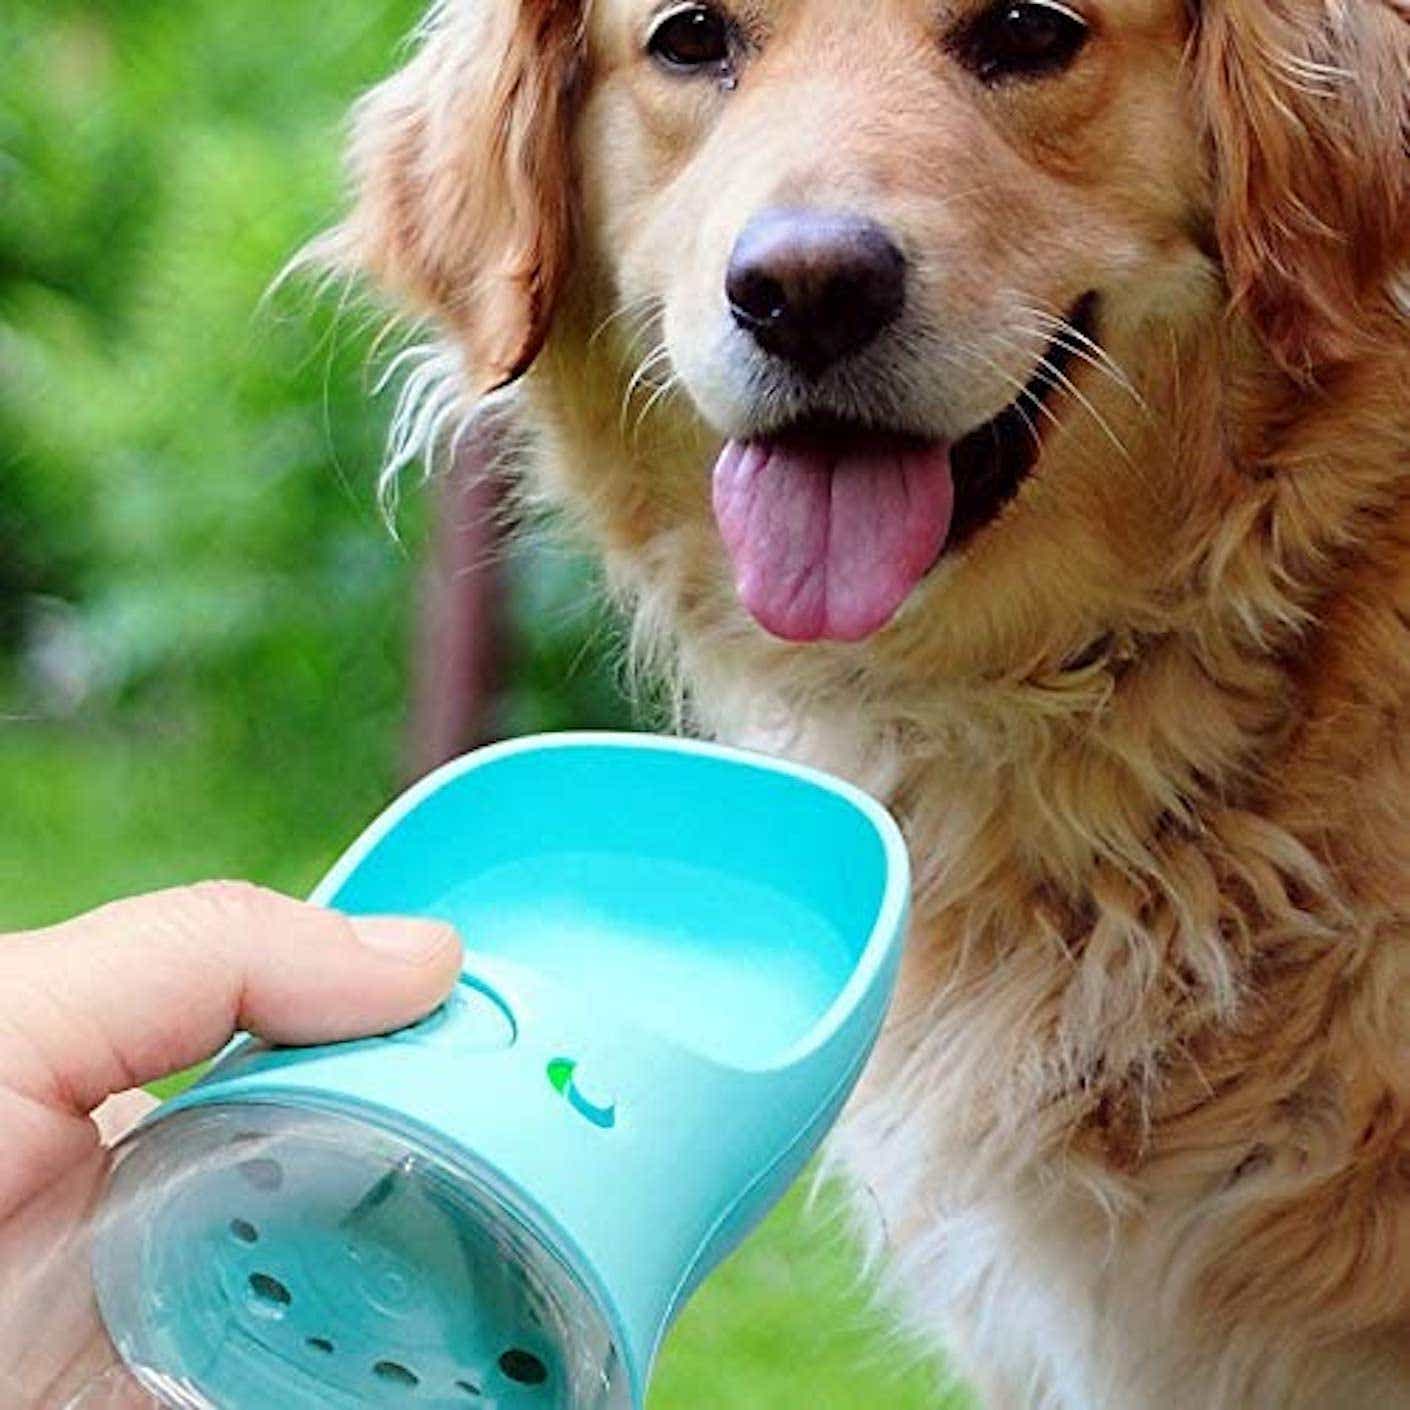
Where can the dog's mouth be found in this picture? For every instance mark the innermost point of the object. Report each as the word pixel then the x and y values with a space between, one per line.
pixel 831 526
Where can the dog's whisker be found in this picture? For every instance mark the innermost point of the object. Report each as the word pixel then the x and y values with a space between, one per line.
pixel 1024 395
pixel 1065 327
pixel 1073 339
pixel 1028 421
pixel 641 309
pixel 641 377
pixel 1065 338
pixel 663 390
pixel 1060 321
pixel 1054 376
pixel 1052 372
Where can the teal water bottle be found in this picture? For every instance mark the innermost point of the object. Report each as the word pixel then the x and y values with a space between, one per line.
pixel 678 960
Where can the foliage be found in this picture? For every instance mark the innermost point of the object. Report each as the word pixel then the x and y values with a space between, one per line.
pixel 187 504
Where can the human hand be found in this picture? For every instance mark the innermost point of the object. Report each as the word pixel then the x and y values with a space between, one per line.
pixel 92 1009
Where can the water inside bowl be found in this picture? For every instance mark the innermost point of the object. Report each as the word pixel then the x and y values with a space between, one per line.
pixel 734 968
pixel 716 899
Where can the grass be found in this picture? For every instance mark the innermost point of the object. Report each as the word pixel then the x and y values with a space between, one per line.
pixel 91 815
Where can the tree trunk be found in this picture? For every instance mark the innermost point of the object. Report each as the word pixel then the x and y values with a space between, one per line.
pixel 460 650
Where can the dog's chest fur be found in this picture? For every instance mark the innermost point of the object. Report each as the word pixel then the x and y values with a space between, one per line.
pixel 1115 1171
pixel 1139 1118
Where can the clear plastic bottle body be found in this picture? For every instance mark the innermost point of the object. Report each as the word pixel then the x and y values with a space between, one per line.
pixel 252 1256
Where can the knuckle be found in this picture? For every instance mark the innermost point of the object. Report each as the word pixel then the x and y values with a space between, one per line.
pixel 237 899
pixel 231 914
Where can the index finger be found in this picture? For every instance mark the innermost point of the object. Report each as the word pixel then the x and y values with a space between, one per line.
pixel 144 988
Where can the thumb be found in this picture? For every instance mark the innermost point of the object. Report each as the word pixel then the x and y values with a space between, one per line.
pixel 147 987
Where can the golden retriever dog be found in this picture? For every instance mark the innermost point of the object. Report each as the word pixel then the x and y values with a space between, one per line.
pixel 1006 404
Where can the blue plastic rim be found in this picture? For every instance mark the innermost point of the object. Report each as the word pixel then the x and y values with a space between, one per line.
pixel 678 959
pixel 720 898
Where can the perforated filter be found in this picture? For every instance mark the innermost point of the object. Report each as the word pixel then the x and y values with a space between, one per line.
pixel 294 1257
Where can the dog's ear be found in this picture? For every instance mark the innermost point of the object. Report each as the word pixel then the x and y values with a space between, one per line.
pixel 1307 107
pixel 463 175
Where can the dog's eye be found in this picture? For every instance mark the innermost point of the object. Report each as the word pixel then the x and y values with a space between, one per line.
pixel 692 37
pixel 1022 39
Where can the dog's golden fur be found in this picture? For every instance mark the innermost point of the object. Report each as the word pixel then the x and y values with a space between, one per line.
pixel 1138 1135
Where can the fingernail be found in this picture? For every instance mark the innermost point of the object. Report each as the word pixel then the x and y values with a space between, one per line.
pixel 413 941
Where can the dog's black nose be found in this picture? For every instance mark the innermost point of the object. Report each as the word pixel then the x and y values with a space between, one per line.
pixel 813 287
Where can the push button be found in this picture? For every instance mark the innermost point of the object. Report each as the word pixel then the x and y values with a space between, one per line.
pixel 482 1022
pixel 471 1020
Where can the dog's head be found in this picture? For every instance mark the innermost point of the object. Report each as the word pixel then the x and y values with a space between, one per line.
pixel 922 272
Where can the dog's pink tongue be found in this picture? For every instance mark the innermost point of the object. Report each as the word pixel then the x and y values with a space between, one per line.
pixel 828 545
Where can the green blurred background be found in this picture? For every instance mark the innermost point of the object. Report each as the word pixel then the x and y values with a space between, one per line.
pixel 205 625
